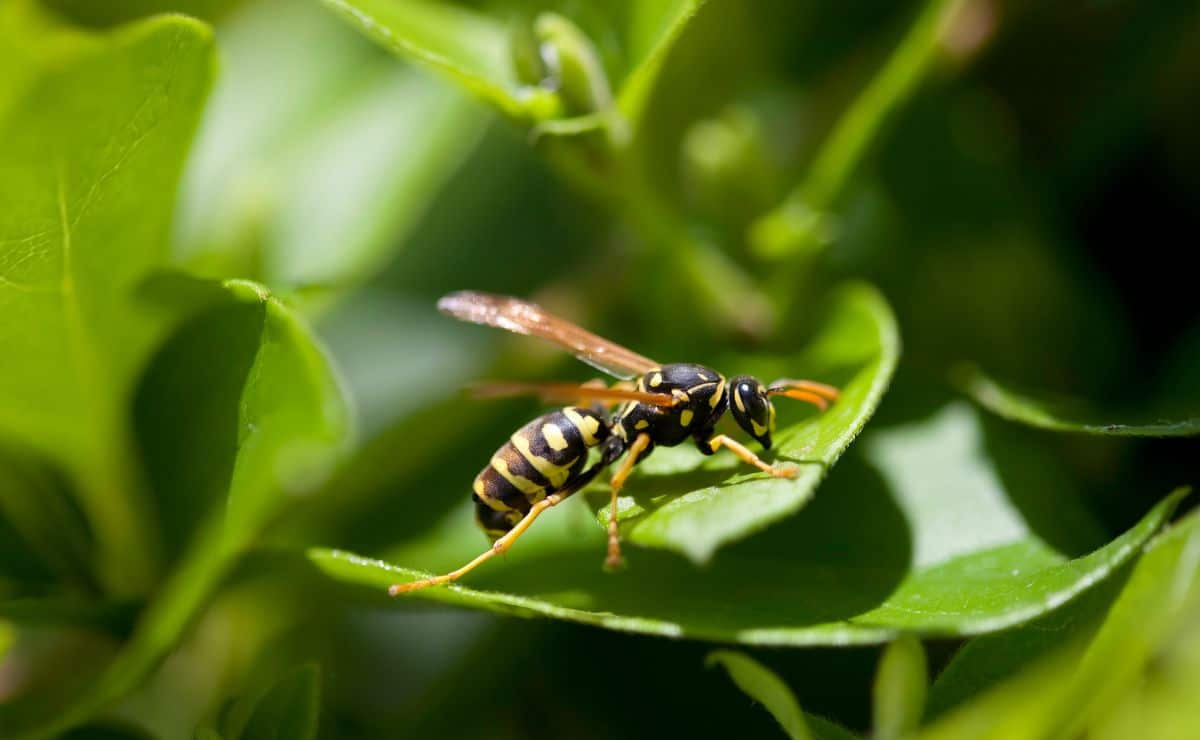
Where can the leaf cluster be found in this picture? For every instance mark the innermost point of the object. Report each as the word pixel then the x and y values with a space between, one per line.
pixel 229 414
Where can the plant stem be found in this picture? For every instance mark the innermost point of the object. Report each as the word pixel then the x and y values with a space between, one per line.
pixel 795 225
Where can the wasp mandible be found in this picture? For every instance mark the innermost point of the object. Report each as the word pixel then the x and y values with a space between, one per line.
pixel 545 461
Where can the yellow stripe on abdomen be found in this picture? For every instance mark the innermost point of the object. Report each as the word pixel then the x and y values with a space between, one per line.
pixel 555 473
pixel 519 482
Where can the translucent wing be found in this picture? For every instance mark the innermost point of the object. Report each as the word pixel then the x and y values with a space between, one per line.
pixel 568 392
pixel 523 317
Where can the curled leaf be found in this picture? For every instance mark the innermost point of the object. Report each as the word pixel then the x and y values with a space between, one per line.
pixel 1071 415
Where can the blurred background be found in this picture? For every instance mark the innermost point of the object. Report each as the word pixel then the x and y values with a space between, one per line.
pixel 1027 208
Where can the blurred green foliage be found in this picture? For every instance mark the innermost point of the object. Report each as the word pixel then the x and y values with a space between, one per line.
pixel 230 414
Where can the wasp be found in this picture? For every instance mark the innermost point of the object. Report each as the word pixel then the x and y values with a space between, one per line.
pixel 546 461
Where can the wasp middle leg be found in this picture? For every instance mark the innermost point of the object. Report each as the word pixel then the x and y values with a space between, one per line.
pixel 640 443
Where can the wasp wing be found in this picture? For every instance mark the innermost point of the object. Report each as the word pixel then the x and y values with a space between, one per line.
pixel 568 392
pixel 523 317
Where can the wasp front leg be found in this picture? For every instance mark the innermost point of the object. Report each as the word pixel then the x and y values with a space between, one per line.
pixel 747 456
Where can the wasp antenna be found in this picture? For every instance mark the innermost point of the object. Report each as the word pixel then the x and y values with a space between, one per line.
pixel 805 396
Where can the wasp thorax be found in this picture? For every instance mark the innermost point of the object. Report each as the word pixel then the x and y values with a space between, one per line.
pixel 751 408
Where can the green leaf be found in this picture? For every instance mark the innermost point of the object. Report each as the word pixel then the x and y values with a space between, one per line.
pixel 470 46
pixel 293 424
pixel 296 179
pixel 478 51
pixel 1077 688
pixel 681 500
pixel 761 684
pixel 987 661
pixel 886 548
pixel 654 26
pixel 288 710
pixel 1072 415
pixel 1163 594
pixel 1160 705
pixel 900 686
pixel 292 427
pixel 84 221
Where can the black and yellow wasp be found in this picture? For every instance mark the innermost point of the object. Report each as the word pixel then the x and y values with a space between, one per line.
pixel 545 461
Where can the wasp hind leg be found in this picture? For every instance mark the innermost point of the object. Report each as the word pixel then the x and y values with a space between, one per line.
pixel 499 547
pixel 504 541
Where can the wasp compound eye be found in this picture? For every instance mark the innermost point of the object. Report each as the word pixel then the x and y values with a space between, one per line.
pixel 751 408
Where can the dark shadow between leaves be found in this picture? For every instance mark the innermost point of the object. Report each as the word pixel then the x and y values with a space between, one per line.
pixel 839 557
pixel 655 490
pixel 188 401
pixel 1037 484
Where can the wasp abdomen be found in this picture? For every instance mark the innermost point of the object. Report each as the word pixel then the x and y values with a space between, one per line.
pixel 541 458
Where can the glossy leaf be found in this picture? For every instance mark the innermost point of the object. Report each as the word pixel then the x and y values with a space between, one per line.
pixel 292 427
pixel 884 549
pixel 1073 415
pixel 85 220
pixel 683 501
pixel 761 684
pixel 277 192
pixel 1079 686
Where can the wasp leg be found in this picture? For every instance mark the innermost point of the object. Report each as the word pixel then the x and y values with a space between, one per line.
pixel 618 481
pixel 500 546
pixel 750 458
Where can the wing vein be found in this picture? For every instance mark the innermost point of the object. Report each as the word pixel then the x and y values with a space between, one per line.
pixel 530 319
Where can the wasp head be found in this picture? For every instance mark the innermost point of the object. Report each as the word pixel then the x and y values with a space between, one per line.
pixel 752 409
